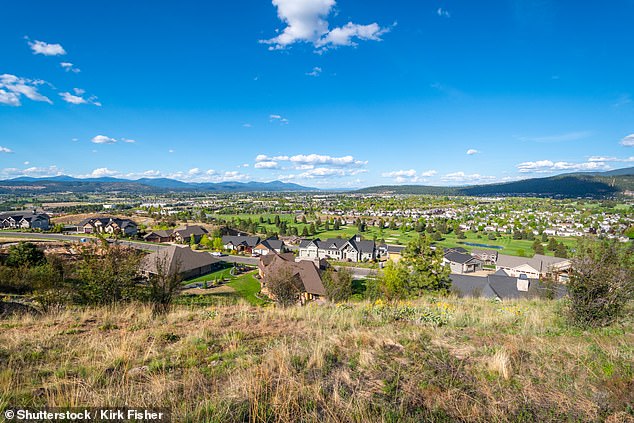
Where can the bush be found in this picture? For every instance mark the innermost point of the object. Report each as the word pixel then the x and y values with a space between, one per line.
pixel 602 283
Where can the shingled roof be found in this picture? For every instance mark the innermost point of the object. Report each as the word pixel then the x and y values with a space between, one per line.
pixel 306 271
pixel 181 259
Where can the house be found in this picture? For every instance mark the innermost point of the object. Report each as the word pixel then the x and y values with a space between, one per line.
pixel 159 236
pixel 240 243
pixel 306 274
pixel 271 245
pixel 501 286
pixel 354 249
pixel 182 260
pixel 184 235
pixel 537 267
pixel 24 220
pixel 115 226
pixel 394 252
pixel 461 263
pixel 486 256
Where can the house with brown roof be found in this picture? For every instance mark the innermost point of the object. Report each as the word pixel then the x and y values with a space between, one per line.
pixel 305 272
pixel 183 235
pixel 159 236
pixel 270 245
pixel 182 260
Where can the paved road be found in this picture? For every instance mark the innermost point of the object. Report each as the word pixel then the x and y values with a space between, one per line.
pixel 359 272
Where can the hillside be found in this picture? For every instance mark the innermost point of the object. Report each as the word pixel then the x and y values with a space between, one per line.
pixel 459 360
pixel 604 184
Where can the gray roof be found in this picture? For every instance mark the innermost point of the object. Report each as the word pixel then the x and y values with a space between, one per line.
pixel 538 262
pixel 484 252
pixel 395 248
pixel 247 241
pixel 456 257
pixel 162 234
pixel 188 231
pixel 273 243
pixel 364 246
pixel 17 215
pixel 178 258
pixel 499 286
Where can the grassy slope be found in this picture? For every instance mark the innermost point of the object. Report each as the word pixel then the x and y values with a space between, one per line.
pixel 490 362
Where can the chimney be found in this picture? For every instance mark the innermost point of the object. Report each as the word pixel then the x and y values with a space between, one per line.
pixel 523 283
pixel 357 238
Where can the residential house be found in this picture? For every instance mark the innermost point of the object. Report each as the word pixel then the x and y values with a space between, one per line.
pixel 306 274
pixel 240 243
pixel 501 286
pixel 537 267
pixel 271 245
pixel 461 263
pixel 159 236
pixel 24 220
pixel 108 225
pixel 486 256
pixel 394 252
pixel 177 259
pixel 354 249
pixel 184 235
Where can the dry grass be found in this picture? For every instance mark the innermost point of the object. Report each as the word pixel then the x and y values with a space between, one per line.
pixel 490 362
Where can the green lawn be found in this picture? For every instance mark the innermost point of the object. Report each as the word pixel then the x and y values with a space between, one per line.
pixel 219 274
pixel 247 286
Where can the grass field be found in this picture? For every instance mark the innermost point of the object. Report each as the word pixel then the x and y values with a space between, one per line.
pixel 453 360
pixel 397 237
pixel 245 286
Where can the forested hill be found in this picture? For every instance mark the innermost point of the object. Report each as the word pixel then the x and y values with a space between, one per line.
pixel 601 184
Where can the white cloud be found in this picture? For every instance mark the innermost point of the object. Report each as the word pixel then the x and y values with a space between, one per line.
pixel 103 171
pixel 409 176
pixel 315 159
pixel 12 88
pixel 69 67
pixel 266 165
pixel 102 139
pixel 611 159
pixel 78 98
pixel 315 72
pixel 628 141
pixel 37 172
pixel 547 166
pixel 27 163
pixel 5 150
pixel 247 125
pixel 463 178
pixel 306 21
pixel 73 99
pixel 40 47
pixel 443 13
pixel 278 118
pixel 170 151
pixel 472 151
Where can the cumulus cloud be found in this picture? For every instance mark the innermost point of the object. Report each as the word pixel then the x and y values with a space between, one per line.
pixel 103 171
pixel 409 176
pixel 306 21
pixel 102 139
pixel 5 150
pixel 472 151
pixel 41 47
pixel 547 166
pixel 266 165
pixel 69 67
pixel 13 88
pixel 314 159
pixel 610 159
pixel 628 141
pixel 77 97
pixel 36 172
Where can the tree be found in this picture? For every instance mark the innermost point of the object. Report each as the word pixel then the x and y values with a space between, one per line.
pixel 205 241
pixel 312 229
pixel 601 283
pixel 108 274
pixel 217 244
pixel 25 254
pixel 284 286
pixel 552 244
pixel 392 283
pixel 427 272
pixel 561 251
pixel 338 284
pixel 538 247
pixel 305 232
pixel 164 284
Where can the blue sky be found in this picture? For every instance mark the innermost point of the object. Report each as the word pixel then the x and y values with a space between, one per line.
pixel 325 93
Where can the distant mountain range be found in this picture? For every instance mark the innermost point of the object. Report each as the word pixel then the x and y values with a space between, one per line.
pixel 586 184
pixel 65 183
